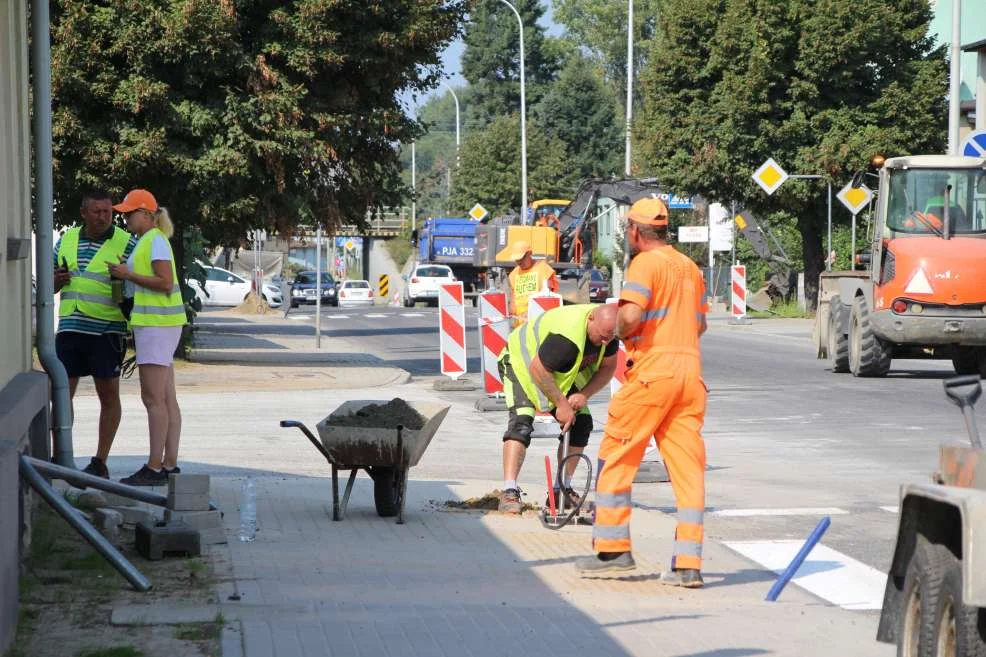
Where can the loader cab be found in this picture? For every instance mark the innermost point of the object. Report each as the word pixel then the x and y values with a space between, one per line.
pixel 916 203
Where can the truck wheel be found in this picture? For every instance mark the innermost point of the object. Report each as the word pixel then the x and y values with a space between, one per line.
pixel 958 630
pixel 838 342
pixel 408 302
pixel 386 490
pixel 966 360
pixel 922 587
pixel 868 355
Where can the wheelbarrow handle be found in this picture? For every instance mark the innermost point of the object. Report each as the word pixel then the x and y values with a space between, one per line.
pixel 963 390
pixel 287 424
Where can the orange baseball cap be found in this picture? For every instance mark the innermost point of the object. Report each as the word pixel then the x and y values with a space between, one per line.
pixel 649 211
pixel 520 250
pixel 137 199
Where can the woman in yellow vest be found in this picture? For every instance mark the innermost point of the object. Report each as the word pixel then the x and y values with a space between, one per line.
pixel 157 318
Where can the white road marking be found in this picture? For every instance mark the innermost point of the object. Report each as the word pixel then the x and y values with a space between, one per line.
pixel 412 314
pixel 891 509
pixel 375 315
pixel 794 511
pixel 827 573
pixel 335 316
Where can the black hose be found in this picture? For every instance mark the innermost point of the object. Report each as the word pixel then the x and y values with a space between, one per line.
pixel 561 487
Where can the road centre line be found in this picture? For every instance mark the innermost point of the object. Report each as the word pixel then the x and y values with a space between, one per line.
pixel 826 573
pixel 792 511
pixel 891 509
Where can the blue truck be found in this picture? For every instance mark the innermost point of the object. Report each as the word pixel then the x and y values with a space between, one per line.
pixel 452 241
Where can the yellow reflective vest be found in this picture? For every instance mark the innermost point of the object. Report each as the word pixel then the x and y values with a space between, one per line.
pixel 153 308
pixel 89 291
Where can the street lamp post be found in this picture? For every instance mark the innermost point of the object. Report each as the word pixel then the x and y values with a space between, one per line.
pixel 457 143
pixel 626 163
pixel 523 119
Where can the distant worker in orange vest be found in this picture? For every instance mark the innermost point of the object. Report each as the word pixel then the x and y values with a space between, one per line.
pixel 527 278
pixel 661 316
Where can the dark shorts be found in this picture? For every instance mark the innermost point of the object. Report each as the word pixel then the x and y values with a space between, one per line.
pixel 98 356
pixel 520 421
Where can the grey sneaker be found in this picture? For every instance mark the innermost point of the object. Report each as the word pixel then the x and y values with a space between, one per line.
pixel 687 578
pixel 510 502
pixel 589 566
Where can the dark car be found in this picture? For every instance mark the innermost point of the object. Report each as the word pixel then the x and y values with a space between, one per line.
pixel 303 289
pixel 571 272
pixel 599 289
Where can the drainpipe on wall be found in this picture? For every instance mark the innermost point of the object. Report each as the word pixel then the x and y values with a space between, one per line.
pixel 61 401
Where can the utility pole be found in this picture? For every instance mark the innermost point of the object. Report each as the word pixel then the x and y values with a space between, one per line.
pixel 955 79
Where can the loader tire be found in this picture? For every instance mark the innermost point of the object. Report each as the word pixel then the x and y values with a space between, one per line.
pixel 868 355
pixel 922 588
pixel 838 342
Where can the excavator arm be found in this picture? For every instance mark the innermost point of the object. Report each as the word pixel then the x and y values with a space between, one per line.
pixel 779 283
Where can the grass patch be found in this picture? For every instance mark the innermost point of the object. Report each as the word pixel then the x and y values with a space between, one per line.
pixel 116 651
pixel 400 249
pixel 198 632
pixel 785 309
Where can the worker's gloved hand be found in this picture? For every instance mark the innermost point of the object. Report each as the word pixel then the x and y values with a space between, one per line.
pixel 565 415
pixel 578 401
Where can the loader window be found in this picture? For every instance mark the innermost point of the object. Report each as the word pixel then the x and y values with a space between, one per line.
pixel 917 201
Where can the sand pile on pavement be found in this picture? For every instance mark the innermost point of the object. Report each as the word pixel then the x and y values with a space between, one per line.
pixel 252 305
pixel 389 415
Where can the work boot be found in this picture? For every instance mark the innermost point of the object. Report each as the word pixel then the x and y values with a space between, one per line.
pixel 688 578
pixel 571 499
pixel 97 468
pixel 510 502
pixel 605 562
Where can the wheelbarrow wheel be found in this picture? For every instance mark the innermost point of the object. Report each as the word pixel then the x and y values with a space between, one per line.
pixel 386 490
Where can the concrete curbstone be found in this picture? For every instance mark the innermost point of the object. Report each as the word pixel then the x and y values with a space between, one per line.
pixel 187 484
pixel 188 501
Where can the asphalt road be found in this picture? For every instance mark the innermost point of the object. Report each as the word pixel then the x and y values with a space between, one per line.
pixel 788 441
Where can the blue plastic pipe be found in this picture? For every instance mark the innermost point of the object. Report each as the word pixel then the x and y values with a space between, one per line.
pixel 799 559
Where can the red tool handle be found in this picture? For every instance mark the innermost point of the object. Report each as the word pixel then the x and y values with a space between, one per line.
pixel 551 488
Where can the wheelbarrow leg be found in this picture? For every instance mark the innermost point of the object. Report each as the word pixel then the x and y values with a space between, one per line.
pixel 403 496
pixel 336 515
pixel 349 490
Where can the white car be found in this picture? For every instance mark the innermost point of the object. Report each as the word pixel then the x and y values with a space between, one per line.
pixel 224 288
pixel 355 293
pixel 423 283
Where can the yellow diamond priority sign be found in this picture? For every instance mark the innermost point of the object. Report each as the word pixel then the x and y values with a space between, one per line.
pixel 770 176
pixel 855 198
pixel 478 212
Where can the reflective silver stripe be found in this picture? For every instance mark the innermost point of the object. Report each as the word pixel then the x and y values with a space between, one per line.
pixel 526 354
pixel 688 548
pixel 99 278
pixel 693 516
pixel 654 314
pixel 612 500
pixel 159 310
pixel 638 288
pixel 91 298
pixel 611 532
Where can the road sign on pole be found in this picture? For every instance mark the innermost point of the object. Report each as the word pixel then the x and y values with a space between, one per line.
pixel 693 234
pixel 478 212
pixel 975 144
pixel 855 198
pixel 770 176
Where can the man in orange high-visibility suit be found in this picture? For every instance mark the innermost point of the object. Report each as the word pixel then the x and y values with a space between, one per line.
pixel 661 316
pixel 529 277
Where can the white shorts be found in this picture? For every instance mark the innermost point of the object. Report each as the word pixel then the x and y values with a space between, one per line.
pixel 156 345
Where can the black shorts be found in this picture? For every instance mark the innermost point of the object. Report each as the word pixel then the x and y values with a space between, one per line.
pixel 98 356
pixel 520 422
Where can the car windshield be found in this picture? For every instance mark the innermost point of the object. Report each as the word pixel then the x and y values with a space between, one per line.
pixel 357 284
pixel 308 278
pixel 434 272
pixel 917 201
pixel 596 275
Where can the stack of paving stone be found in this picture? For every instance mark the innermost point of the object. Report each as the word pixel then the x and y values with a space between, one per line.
pixel 188 507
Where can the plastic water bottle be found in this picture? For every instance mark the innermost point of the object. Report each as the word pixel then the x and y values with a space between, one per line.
pixel 248 511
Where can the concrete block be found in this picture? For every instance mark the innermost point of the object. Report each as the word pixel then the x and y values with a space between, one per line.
pixel 188 501
pixel 187 484
pixel 454 385
pixel 213 536
pixel 91 499
pixel 158 541
pixel 194 519
pixel 132 515
pixel 112 499
pixel 108 522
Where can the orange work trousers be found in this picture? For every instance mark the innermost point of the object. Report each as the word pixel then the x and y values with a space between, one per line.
pixel 667 403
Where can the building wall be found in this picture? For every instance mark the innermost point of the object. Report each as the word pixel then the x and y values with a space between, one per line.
pixel 23 393
pixel 973 28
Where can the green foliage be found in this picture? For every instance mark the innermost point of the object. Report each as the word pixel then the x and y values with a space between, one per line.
pixel 581 112
pixel 400 248
pixel 781 310
pixel 491 61
pixel 241 114
pixel 116 651
pixel 490 170
pixel 819 85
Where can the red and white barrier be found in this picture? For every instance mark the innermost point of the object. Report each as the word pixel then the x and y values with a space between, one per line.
pixel 494 329
pixel 739 291
pixel 540 303
pixel 452 329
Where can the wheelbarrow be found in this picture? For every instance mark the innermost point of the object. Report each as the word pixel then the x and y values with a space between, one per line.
pixel 386 453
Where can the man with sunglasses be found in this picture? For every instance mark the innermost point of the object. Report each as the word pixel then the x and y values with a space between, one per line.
pixel 555 363
pixel 92 332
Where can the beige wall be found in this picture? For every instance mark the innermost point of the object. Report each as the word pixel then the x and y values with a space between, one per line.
pixel 15 199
